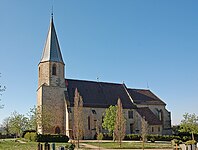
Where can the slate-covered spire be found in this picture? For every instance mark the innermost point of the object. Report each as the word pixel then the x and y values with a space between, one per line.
pixel 51 51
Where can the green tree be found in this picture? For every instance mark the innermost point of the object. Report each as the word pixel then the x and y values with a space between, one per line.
pixel 44 118
pixel 17 123
pixel 78 127
pixel 6 125
pixel 32 119
pixel 120 123
pixel 109 119
pixel 189 124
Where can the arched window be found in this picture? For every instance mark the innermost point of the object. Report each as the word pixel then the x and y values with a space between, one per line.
pixel 89 123
pixel 57 130
pixel 54 69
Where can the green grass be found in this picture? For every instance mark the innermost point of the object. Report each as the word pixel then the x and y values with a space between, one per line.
pixel 11 145
pixel 133 145
pixel 15 145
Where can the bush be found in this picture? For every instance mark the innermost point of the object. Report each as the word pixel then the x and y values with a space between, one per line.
pixel 52 138
pixel 31 136
pixel 107 136
pixel 186 138
pixel 162 137
pixel 190 142
pixel 100 136
pixel 151 137
pixel 70 147
pixel 134 137
pixel 175 141
pixel 152 140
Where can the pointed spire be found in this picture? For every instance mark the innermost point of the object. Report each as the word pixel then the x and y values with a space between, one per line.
pixel 51 51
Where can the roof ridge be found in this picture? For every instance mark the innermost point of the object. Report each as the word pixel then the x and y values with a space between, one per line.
pixel 94 81
pixel 139 89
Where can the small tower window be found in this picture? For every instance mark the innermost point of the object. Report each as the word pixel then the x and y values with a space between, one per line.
pixel 89 123
pixel 39 72
pixel 54 69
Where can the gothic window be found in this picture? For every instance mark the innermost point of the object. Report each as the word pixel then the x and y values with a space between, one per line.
pixel 95 122
pixel 158 129
pixel 57 130
pixel 89 123
pixel 152 129
pixel 131 128
pixel 54 69
pixel 130 114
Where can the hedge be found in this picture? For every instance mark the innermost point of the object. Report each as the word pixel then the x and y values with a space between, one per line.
pixel 152 138
pixel 52 138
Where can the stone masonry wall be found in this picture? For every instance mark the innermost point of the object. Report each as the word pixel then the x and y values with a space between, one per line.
pixel 53 106
pixel 87 112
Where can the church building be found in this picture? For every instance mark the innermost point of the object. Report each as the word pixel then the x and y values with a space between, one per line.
pixel 55 99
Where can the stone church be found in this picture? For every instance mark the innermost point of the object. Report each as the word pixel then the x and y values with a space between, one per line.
pixel 55 98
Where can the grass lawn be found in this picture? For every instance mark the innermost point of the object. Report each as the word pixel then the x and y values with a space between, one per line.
pixel 8 144
pixel 134 145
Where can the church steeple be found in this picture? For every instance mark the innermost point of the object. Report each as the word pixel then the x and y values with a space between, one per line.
pixel 51 51
pixel 51 66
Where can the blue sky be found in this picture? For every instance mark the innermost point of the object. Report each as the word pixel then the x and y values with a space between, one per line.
pixel 141 42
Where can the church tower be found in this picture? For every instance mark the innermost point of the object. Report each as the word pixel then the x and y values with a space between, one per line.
pixel 51 86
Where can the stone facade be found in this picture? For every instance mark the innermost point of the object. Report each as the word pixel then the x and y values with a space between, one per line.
pixel 50 97
pixel 55 96
pixel 94 116
pixel 163 115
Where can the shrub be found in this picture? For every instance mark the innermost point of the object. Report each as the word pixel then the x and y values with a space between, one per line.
pixel 190 142
pixel 52 138
pixel 107 136
pixel 70 147
pixel 100 136
pixel 162 137
pixel 186 138
pixel 134 137
pixel 152 140
pixel 176 141
pixel 31 136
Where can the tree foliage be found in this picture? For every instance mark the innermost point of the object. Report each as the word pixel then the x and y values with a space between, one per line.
pixel 17 123
pixel 109 119
pixel 32 119
pixel 189 124
pixel 120 123
pixel 6 125
pixel 44 117
pixel 78 127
